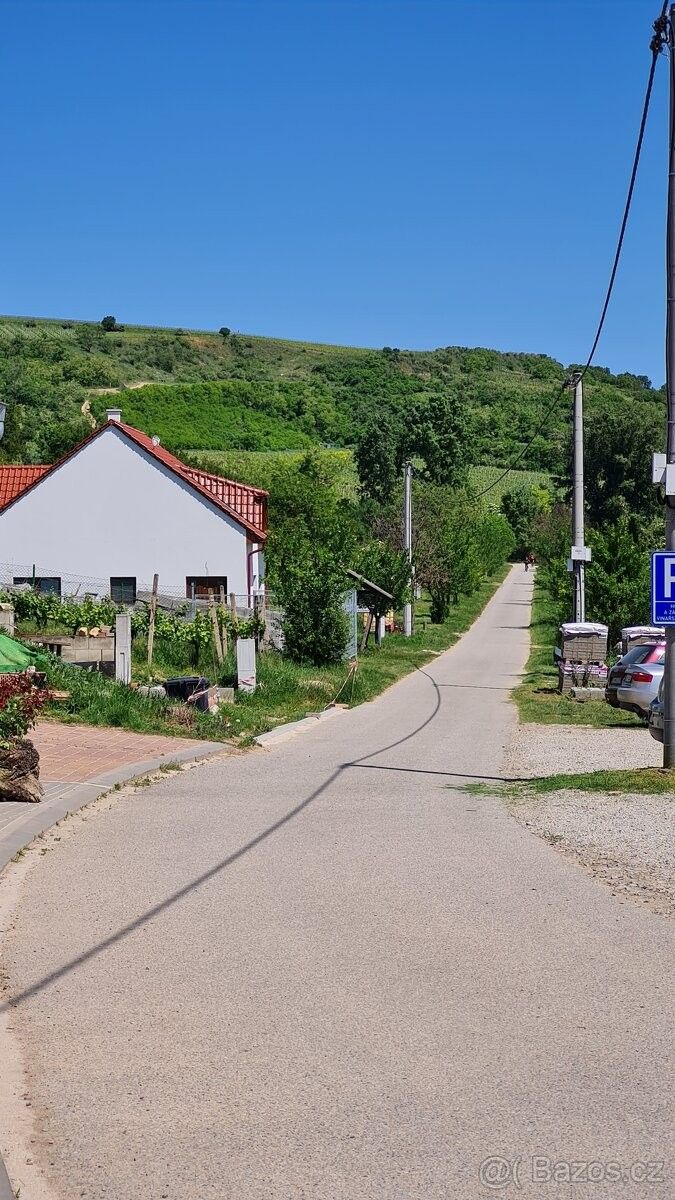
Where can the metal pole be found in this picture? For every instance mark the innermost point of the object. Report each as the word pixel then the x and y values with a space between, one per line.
pixel 578 500
pixel 407 539
pixel 669 669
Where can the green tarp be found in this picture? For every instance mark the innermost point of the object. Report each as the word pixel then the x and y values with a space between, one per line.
pixel 14 656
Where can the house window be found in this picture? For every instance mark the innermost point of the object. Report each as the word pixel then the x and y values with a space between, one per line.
pixel 46 585
pixel 205 585
pixel 123 589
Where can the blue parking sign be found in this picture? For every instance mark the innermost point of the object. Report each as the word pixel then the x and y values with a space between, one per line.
pixel 663 587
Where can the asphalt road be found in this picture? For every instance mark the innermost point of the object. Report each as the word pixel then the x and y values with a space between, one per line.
pixel 322 971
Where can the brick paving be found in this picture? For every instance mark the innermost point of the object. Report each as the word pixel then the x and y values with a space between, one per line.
pixel 77 753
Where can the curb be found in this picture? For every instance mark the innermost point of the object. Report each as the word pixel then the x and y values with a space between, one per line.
pixel 282 733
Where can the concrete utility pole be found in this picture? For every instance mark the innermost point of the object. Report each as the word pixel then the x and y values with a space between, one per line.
pixel 407 538
pixel 578 544
pixel 669 668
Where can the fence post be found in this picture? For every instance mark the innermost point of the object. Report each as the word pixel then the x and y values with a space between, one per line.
pixel 256 617
pixel 151 624
pixel 216 629
pixel 233 610
pixel 123 647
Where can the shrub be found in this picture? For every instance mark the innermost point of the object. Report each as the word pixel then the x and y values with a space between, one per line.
pixel 20 703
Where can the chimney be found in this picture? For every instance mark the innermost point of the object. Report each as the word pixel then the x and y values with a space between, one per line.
pixel 114 414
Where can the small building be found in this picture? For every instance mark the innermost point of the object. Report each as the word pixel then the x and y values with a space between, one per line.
pixel 118 509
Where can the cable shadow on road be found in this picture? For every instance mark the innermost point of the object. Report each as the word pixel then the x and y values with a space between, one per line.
pixel 445 774
pixel 170 901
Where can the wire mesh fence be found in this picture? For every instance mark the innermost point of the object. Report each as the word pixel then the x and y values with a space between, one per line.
pixel 50 580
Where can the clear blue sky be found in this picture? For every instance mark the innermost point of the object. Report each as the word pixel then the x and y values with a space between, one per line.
pixel 411 173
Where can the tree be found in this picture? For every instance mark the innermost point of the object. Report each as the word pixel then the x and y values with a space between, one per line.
pixel 446 547
pixel 387 567
pixel 618 577
pixel 109 324
pixel 378 458
pixel 617 467
pixel 311 542
pixel 521 508
pixel 224 331
pixel 438 435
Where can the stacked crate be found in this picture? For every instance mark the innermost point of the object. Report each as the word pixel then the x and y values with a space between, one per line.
pixel 640 635
pixel 583 655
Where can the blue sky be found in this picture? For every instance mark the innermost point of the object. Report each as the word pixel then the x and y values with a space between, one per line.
pixel 412 173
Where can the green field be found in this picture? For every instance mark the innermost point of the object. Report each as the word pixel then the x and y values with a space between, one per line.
pixel 262 468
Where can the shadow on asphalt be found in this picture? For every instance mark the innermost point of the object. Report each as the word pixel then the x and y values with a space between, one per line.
pixel 42 984
pixel 447 774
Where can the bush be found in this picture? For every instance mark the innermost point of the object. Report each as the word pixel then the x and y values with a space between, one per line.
pixel 20 703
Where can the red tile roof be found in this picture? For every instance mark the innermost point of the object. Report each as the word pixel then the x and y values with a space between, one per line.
pixel 239 500
pixel 15 480
pixel 247 505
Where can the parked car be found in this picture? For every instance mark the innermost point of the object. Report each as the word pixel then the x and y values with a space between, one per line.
pixel 640 685
pixel 656 715
pixel 650 652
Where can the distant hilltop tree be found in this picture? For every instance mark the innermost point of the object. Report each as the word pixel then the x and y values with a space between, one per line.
pixel 110 324
pixel 224 331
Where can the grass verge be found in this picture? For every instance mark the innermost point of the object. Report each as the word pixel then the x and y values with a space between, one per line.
pixel 286 691
pixel 644 781
pixel 537 697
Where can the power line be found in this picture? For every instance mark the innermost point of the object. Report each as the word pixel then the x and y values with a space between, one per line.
pixel 656 45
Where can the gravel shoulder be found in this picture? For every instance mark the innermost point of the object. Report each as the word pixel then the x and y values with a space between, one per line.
pixel 626 842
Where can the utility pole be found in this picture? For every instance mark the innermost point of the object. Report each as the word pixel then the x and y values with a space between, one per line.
pixel 407 539
pixel 579 551
pixel 669 668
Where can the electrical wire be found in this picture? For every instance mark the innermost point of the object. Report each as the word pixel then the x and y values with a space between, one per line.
pixel 656 45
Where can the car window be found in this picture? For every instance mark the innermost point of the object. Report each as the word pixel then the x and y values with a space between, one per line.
pixel 659 655
pixel 637 655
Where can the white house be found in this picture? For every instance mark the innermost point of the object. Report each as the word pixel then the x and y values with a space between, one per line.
pixel 119 509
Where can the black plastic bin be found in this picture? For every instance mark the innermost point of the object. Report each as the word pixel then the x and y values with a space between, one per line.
pixel 185 686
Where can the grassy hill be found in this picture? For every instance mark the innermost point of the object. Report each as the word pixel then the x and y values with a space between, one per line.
pixel 207 392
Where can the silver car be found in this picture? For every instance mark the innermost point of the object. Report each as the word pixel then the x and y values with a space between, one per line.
pixel 656 715
pixel 639 686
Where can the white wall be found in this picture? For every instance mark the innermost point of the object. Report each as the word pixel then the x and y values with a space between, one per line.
pixel 112 509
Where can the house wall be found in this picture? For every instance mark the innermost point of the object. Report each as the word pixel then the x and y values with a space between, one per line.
pixel 112 509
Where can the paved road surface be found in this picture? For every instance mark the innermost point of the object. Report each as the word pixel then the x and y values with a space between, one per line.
pixel 321 971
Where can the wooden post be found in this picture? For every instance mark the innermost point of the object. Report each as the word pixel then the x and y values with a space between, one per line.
pixel 223 605
pixel 256 614
pixel 151 624
pixel 233 610
pixel 216 629
pixel 366 632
